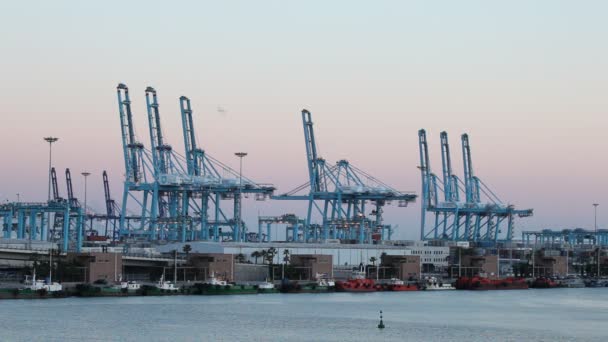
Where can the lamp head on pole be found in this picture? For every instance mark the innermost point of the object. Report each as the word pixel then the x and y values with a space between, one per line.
pixel 240 154
pixel 86 174
pixel 50 140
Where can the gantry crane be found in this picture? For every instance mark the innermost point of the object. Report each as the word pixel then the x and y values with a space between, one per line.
pixel 210 187
pixel 167 187
pixel 471 220
pixel 340 194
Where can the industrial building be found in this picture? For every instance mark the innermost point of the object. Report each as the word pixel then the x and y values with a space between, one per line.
pixel 342 255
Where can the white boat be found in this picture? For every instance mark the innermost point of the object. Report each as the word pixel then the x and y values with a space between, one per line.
pixel 395 281
pixel 573 282
pixel 432 284
pixel 266 286
pixel 130 285
pixel 215 281
pixel 165 285
pixel 325 281
pixel 36 285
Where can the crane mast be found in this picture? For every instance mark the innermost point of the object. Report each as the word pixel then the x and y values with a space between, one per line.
pixel 482 221
pixel 68 181
pixel 189 137
pixel 132 149
pixel 54 185
pixel 160 151
pixel 311 151
pixel 110 205
pixel 470 181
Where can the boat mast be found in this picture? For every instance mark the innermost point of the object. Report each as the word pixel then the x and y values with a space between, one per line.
pixel 50 266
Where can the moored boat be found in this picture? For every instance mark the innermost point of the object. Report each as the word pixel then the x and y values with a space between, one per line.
pixel 357 283
pixel 432 284
pixel 266 287
pixel 215 281
pixel 399 285
pixel 479 283
pixel 167 286
pixel 130 285
pixel 34 284
pixel 573 282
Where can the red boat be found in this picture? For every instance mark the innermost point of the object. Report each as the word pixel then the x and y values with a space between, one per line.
pixel 357 283
pixel 479 283
pixel 399 285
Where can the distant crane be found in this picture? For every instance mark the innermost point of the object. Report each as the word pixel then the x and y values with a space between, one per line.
pixel 173 193
pixel 471 220
pixel 211 187
pixel 343 192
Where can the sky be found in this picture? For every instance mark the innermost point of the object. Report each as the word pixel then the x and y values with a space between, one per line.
pixel 525 79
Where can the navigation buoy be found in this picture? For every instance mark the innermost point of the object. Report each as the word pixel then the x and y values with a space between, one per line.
pixel 381 325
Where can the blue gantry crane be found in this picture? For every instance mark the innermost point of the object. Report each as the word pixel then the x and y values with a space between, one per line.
pixel 30 220
pixel 454 219
pixel 340 194
pixel 114 213
pixel 566 237
pixel 210 187
pixel 174 193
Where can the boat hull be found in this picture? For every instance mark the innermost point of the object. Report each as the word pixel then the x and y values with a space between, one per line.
pixel 484 284
pixel 400 288
pixel 357 285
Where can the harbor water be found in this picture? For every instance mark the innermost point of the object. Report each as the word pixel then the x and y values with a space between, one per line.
pixel 518 315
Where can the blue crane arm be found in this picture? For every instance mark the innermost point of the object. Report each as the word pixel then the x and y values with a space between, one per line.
pixel 129 142
pixel 189 136
pixel 160 151
pixel 311 151
pixel 107 196
pixel 450 187
pixel 425 169
pixel 471 184
pixel 54 184
pixel 68 181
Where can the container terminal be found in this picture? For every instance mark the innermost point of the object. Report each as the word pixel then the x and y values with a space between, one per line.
pixel 179 224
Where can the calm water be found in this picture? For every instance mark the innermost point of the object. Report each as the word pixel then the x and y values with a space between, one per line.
pixel 533 315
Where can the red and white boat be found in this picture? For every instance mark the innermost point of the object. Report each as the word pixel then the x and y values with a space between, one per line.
pixel 399 285
pixel 357 283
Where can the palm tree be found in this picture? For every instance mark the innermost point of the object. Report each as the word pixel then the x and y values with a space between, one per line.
pixel 286 256
pixel 270 253
pixel 187 249
pixel 264 255
pixel 240 258
pixel 285 261
pixel 256 255
pixel 373 260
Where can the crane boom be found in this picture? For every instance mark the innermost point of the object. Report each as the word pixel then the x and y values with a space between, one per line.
pixel 54 185
pixel 129 142
pixel 311 151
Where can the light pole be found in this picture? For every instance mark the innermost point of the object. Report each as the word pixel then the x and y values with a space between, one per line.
pixel 86 175
pixel 595 205
pixel 241 155
pixel 18 198
pixel 50 140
